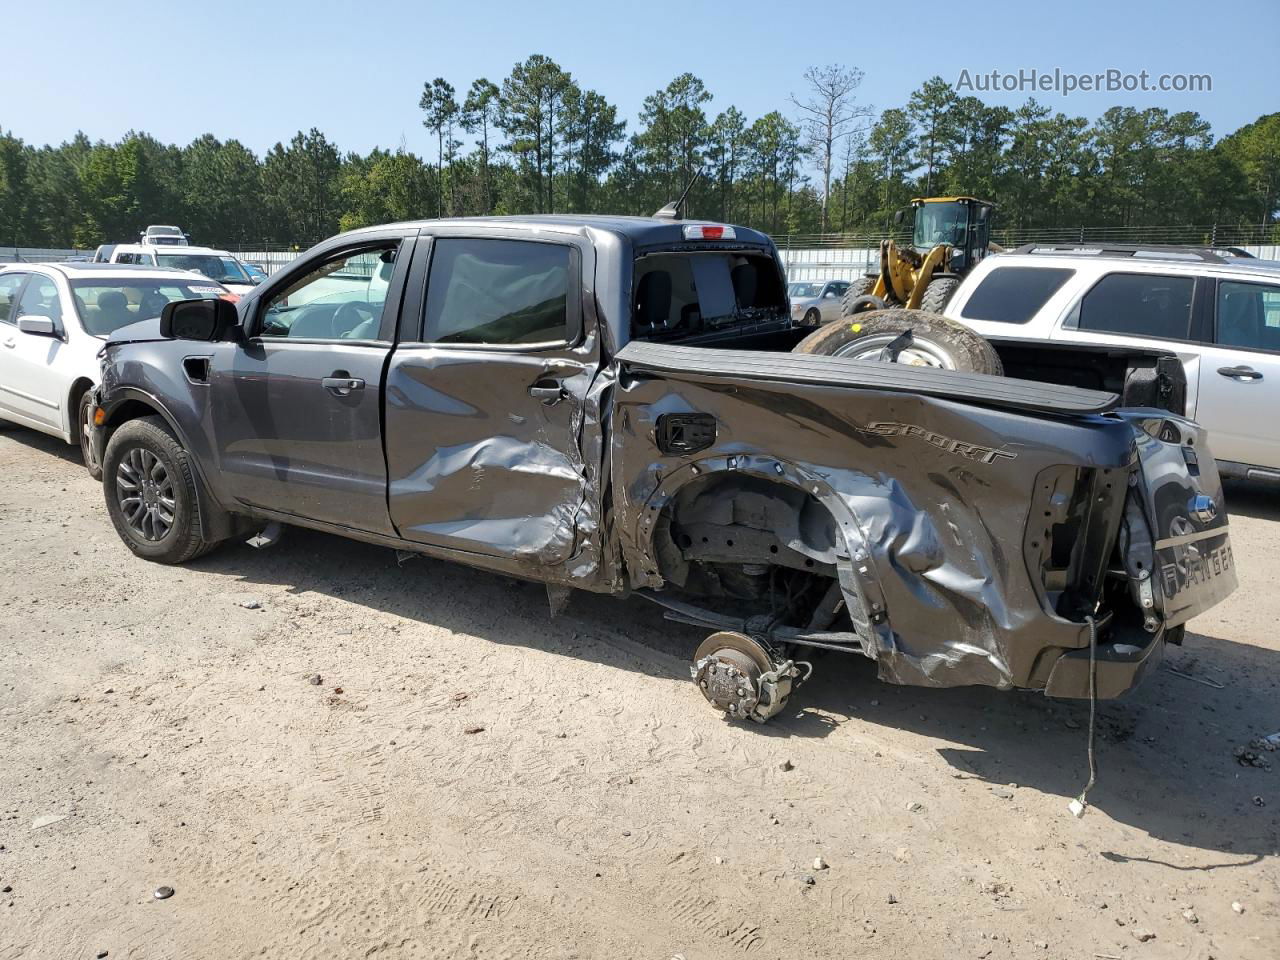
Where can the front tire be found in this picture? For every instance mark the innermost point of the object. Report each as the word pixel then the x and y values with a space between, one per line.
pixel 85 413
pixel 151 493
pixel 937 293
pixel 935 341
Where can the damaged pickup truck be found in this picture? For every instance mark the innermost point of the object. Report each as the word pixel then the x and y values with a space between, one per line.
pixel 611 404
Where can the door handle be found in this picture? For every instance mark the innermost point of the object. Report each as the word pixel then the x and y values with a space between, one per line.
pixel 342 386
pixel 1240 373
pixel 548 390
pixel 11 343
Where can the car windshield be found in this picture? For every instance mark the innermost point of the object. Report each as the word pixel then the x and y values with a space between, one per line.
pixel 106 305
pixel 802 291
pixel 224 269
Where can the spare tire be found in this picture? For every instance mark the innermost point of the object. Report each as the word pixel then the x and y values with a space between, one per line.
pixel 933 341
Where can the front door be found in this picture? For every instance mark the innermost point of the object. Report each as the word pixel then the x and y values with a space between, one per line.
pixel 1240 375
pixel 30 381
pixel 296 405
pixel 485 410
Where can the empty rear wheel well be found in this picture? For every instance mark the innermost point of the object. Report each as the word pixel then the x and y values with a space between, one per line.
pixel 749 539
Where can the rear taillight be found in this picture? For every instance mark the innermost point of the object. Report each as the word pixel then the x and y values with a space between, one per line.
pixel 707 231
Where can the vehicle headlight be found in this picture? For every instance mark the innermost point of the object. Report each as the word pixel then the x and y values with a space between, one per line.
pixel 957 260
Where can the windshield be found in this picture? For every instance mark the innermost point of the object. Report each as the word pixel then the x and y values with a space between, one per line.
pixel 678 295
pixel 803 291
pixel 105 306
pixel 224 269
pixel 940 223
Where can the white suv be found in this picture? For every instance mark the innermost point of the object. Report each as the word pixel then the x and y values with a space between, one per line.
pixel 1219 312
pixel 218 265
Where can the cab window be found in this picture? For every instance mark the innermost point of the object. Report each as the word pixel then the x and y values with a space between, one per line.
pixel 498 292
pixel 342 299
pixel 1248 316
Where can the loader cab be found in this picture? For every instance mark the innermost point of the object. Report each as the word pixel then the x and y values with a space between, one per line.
pixel 962 224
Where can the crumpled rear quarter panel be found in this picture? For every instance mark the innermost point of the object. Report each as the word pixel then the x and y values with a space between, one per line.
pixel 934 492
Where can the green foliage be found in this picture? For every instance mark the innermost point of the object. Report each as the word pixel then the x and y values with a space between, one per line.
pixel 541 142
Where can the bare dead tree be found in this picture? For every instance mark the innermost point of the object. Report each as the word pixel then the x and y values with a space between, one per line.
pixel 828 115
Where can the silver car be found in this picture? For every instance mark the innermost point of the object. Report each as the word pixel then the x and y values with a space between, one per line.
pixel 815 302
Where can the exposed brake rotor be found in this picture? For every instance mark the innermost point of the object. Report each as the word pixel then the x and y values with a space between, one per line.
pixel 743 676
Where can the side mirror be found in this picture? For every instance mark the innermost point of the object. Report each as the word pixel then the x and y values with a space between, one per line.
pixel 983 214
pixel 899 216
pixel 37 326
pixel 205 320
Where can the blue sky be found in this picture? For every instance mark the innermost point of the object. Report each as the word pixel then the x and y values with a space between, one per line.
pixel 258 72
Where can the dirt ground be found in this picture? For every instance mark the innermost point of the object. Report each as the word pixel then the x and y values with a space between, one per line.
pixel 159 727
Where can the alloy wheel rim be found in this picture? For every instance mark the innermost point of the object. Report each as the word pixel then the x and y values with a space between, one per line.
pixel 144 491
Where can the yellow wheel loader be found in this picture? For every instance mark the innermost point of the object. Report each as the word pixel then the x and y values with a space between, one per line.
pixel 951 234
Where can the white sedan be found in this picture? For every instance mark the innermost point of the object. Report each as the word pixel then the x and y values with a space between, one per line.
pixel 53 320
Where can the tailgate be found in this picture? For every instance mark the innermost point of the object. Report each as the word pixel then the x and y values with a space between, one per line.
pixel 1184 501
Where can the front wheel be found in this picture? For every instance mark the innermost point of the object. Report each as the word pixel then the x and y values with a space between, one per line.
pixel 937 293
pixel 905 336
pixel 86 436
pixel 151 493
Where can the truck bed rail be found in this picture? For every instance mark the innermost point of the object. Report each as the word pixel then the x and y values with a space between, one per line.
pixel 866 374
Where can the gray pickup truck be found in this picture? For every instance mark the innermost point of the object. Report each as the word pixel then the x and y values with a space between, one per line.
pixel 612 404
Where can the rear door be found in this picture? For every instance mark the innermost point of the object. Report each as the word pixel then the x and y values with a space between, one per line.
pixel 1240 375
pixel 296 406
pixel 486 394
pixel 1150 310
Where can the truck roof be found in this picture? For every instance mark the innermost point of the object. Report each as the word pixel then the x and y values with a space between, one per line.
pixel 641 231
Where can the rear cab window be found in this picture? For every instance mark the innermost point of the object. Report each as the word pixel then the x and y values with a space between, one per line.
pixel 705 295
pixel 1014 294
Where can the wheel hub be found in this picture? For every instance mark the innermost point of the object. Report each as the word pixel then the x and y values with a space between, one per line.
pixel 742 677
